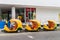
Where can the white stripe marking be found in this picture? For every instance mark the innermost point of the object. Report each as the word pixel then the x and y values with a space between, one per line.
pixel 30 36
pixel 12 34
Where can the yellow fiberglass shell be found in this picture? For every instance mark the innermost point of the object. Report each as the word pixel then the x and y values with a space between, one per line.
pixel 19 25
pixel 17 21
pixel 37 23
pixel 47 27
pixel 7 29
pixel 28 27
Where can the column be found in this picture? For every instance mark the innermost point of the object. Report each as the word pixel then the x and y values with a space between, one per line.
pixel 25 15
pixel 0 12
pixel 13 12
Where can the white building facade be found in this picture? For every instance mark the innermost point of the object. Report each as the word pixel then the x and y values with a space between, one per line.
pixel 44 9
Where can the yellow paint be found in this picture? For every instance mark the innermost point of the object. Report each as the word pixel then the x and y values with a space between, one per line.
pixel 19 25
pixel 52 28
pixel 35 29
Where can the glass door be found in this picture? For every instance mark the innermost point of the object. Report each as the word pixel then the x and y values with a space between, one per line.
pixel 20 14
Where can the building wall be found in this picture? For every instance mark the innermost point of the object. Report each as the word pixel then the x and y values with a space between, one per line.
pixel 55 3
pixel 43 14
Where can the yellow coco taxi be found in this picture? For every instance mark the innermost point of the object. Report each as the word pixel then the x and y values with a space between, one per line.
pixel 15 26
pixel 34 27
pixel 51 25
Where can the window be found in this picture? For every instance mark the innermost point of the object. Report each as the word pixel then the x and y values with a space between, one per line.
pixel 30 13
pixel 6 14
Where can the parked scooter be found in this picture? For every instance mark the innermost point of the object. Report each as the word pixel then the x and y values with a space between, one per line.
pixel 51 25
pixel 15 26
pixel 36 26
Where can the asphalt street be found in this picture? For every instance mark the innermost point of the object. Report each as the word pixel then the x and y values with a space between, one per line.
pixel 43 35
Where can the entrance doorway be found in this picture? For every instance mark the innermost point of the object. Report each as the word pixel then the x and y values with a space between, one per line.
pixel 6 14
pixel 20 14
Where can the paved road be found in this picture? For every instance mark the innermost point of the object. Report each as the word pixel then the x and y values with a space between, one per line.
pixel 45 35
